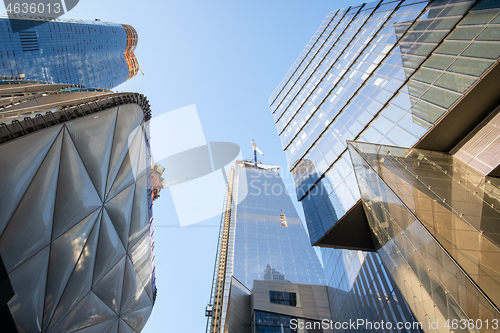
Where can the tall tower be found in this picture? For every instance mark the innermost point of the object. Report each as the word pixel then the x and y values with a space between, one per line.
pixel 261 238
pixel 93 54
pixel 416 74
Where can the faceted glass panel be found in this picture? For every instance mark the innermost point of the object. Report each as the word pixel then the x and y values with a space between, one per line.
pixel 127 124
pixel 126 174
pixel 58 240
pixel 91 311
pixel 109 288
pixel 433 209
pixel 80 281
pixel 65 252
pixel 110 249
pixel 76 195
pixel 119 210
pixel 29 229
pixel 20 159
pixel 93 139
pixel 139 223
pixel 26 306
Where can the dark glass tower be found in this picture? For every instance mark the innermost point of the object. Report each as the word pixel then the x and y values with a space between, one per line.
pixel 93 54
pixel 262 238
pixel 419 74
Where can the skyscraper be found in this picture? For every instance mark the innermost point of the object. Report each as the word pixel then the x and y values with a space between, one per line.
pixel 75 209
pixel 418 74
pixel 93 54
pixel 261 238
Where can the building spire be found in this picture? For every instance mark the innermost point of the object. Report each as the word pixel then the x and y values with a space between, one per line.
pixel 255 150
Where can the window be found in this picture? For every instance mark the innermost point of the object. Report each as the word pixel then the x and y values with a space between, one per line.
pixel 283 297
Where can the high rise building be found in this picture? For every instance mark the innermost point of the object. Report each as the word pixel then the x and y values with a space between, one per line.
pixel 93 54
pixel 261 238
pixel 75 209
pixel 417 74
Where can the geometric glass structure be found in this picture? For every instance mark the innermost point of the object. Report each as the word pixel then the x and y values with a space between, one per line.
pixel 384 72
pixel 92 54
pixel 400 73
pixel 261 238
pixel 438 225
pixel 75 208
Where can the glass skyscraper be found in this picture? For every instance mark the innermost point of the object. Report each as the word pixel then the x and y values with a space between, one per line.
pixel 93 54
pixel 266 248
pixel 262 238
pixel 411 73
pixel 75 209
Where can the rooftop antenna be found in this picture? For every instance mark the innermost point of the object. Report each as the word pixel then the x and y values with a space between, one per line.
pixel 255 150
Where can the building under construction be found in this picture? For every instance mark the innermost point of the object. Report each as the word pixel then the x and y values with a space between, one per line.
pixel 261 238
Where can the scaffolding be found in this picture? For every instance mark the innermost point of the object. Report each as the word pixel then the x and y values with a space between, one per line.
pixel 214 309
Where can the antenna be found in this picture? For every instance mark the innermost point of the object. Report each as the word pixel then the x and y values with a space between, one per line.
pixel 255 150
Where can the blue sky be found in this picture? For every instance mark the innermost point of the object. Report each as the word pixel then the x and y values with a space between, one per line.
pixel 226 57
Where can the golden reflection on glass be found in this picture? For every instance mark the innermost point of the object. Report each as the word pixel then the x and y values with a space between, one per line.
pixel 437 219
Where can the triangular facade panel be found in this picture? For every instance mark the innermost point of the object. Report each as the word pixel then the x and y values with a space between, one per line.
pixel 141 165
pixel 109 250
pixel 76 195
pixel 101 327
pixel 19 161
pixel 80 281
pixel 91 311
pixel 123 327
pixel 127 126
pixel 119 210
pixel 124 178
pixel 140 221
pixel 137 318
pixel 27 304
pixel 114 327
pixel 64 254
pixel 132 287
pixel 30 228
pixel 93 138
pixel 109 289
pixel 140 255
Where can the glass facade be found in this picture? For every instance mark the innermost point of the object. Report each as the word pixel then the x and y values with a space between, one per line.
pixel 360 288
pixel 382 73
pixel 254 243
pixel 263 247
pixel 438 222
pixel 283 297
pixel 266 322
pixel 385 72
pixel 92 54
pixel 75 211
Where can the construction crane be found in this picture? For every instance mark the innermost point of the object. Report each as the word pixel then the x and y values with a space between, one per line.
pixel 255 150
pixel 157 180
